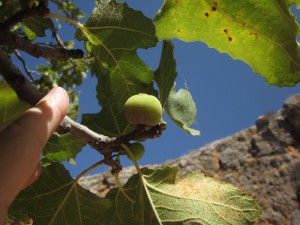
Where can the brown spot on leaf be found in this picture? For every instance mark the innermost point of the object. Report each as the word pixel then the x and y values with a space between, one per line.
pixel 229 38
pixel 214 8
pixel 206 14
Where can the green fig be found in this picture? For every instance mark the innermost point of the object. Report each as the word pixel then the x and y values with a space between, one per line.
pixel 143 109
pixel 137 150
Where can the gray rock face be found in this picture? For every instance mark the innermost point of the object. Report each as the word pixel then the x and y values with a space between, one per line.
pixel 263 160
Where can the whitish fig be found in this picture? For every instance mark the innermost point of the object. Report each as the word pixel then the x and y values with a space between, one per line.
pixel 137 150
pixel 143 109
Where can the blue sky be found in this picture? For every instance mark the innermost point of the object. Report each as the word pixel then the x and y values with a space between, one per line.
pixel 229 97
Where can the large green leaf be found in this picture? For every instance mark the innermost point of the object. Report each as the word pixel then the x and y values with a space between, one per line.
pixel 158 198
pixel 115 32
pixel 10 105
pixel 181 108
pixel 166 73
pixel 262 33
pixel 57 199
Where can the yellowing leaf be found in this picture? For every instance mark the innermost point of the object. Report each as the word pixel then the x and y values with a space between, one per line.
pixel 261 33
pixel 202 199
pixel 161 199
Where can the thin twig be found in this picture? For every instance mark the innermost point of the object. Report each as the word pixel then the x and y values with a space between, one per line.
pixel 59 41
pixel 18 82
pixel 62 44
pixel 13 41
pixel 62 5
pixel 65 10
pixel 17 53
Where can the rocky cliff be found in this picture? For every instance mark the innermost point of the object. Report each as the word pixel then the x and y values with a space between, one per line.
pixel 263 160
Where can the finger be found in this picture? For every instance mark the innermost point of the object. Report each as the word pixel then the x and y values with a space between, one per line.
pixel 22 141
pixel 42 120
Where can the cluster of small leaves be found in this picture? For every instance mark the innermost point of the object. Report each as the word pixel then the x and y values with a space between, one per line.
pixel 8 9
pixel 68 74
pixel 69 9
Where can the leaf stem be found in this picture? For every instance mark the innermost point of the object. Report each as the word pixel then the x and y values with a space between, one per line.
pixel 136 165
pixel 97 164
pixel 118 182
pixel 57 16
pixel 91 37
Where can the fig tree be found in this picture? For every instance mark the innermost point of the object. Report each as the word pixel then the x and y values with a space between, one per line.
pixel 137 150
pixel 143 109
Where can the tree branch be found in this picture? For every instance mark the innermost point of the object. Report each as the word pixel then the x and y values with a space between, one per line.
pixel 13 41
pixel 28 93
pixel 18 82
pixel 103 144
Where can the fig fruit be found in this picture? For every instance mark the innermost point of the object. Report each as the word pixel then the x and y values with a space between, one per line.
pixel 137 150
pixel 143 109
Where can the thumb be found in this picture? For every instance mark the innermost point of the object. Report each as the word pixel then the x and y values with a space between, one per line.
pixel 22 141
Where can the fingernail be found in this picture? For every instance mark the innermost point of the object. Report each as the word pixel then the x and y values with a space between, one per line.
pixel 58 94
pixel 58 97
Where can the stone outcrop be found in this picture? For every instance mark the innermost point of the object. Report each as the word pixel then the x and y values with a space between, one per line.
pixel 263 160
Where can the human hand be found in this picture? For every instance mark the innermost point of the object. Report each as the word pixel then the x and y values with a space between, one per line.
pixel 21 143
